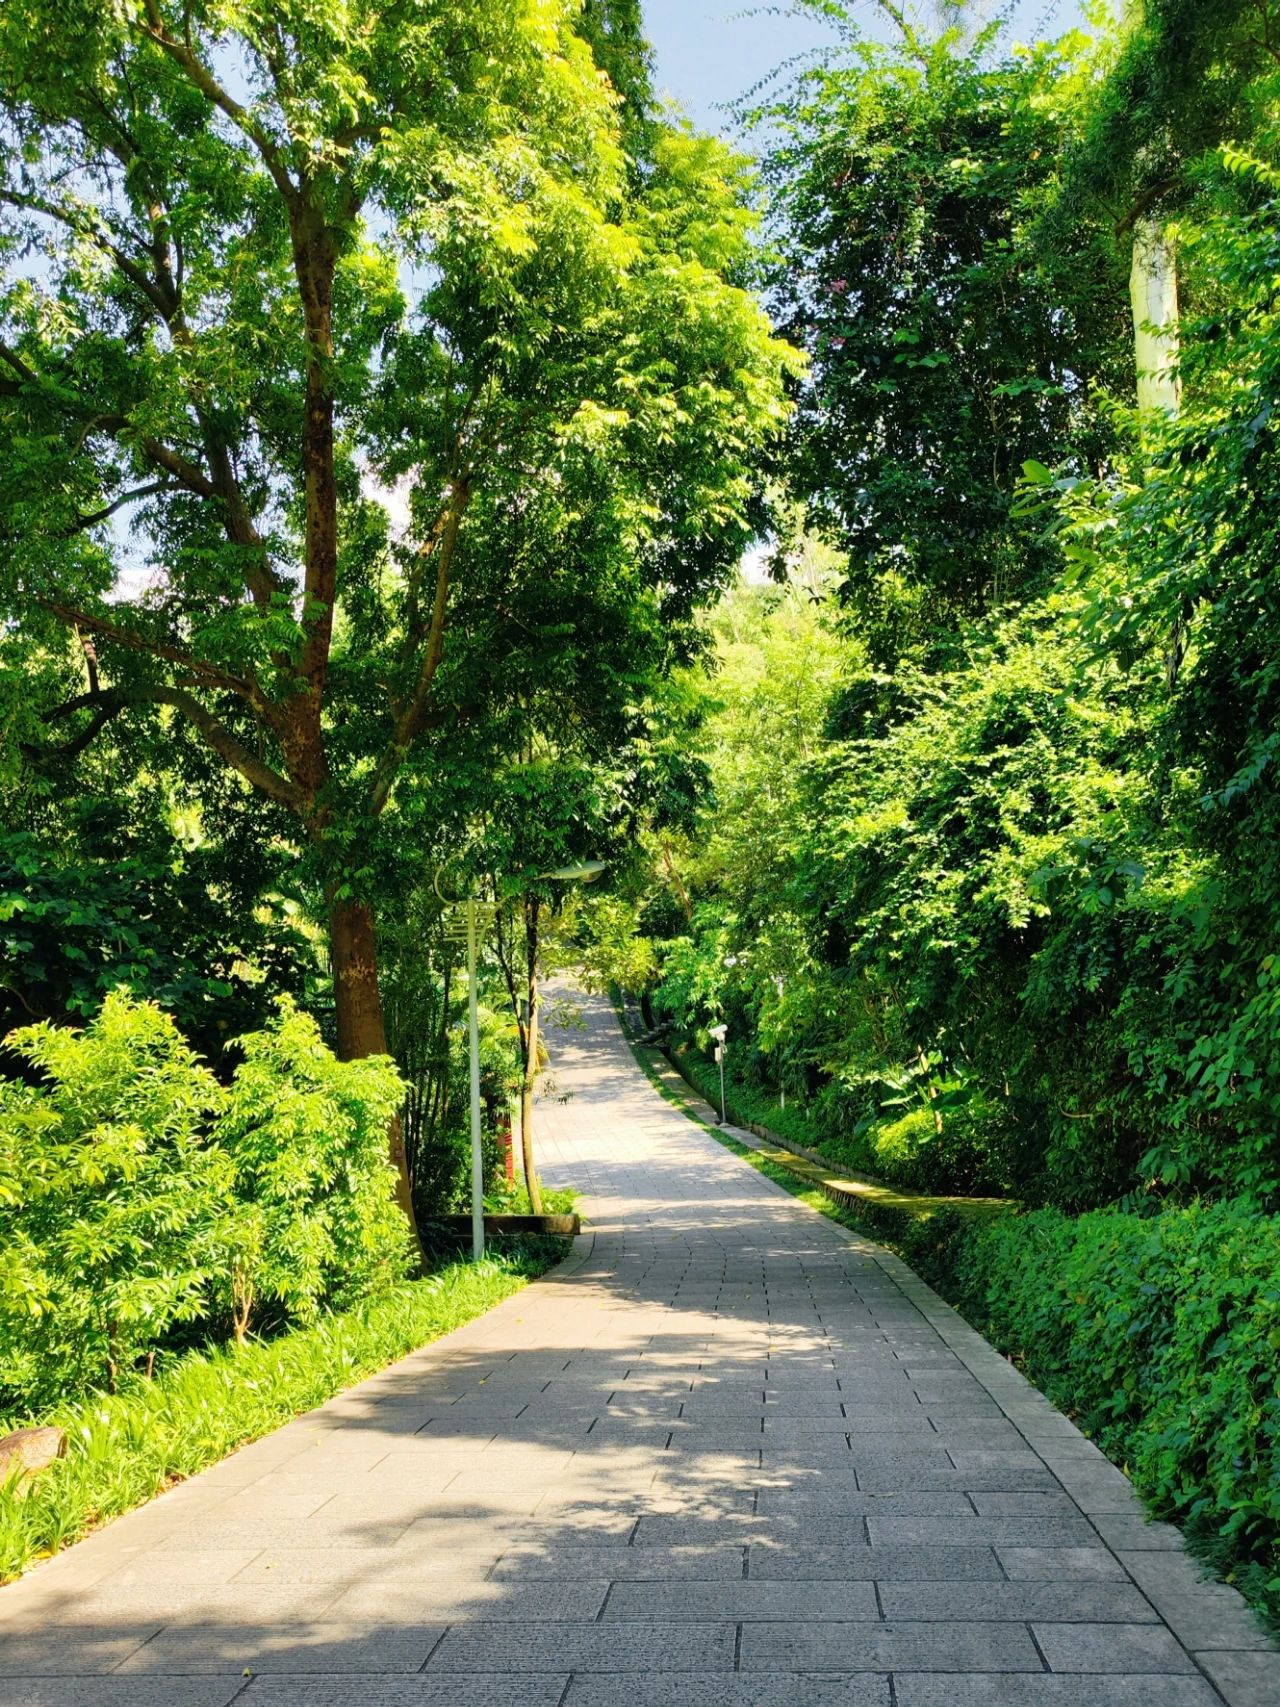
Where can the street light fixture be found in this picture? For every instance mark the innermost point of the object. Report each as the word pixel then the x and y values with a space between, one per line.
pixel 720 1032
pixel 586 872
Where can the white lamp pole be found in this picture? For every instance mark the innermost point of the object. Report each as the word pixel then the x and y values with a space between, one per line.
pixel 720 1032
pixel 473 1026
pixel 584 873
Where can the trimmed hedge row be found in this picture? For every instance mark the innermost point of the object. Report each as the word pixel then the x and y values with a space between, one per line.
pixel 1160 1335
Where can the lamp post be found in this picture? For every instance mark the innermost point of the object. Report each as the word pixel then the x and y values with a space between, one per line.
pixel 587 872
pixel 470 931
pixel 720 1032
pixel 782 1087
pixel 473 1042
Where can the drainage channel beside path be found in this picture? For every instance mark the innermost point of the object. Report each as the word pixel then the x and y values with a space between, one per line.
pixel 728 1455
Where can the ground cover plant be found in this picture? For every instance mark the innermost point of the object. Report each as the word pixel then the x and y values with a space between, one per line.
pixel 126 1447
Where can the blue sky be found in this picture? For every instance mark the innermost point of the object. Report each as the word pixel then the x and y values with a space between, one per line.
pixel 710 52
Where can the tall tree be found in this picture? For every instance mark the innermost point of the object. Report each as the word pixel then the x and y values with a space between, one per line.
pixel 264 262
pixel 949 344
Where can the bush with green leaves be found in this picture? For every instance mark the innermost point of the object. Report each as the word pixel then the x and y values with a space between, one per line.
pixel 314 1221
pixel 137 1194
pixel 114 1205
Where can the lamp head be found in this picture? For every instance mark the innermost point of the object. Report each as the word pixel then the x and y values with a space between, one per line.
pixel 586 872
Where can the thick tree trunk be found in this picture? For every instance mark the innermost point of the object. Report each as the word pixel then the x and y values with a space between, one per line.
pixel 358 1002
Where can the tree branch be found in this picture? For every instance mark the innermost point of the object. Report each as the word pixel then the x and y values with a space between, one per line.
pixel 910 39
pixel 411 721
pixel 184 55
pixel 209 675
pixel 231 750
pixel 76 220
pixel 1143 205
pixel 132 497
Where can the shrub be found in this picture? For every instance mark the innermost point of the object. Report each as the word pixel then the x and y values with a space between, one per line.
pixel 315 1220
pixel 112 1202
pixel 1161 1334
pixel 137 1194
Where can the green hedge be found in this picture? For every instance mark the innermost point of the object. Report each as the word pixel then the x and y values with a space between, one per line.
pixel 904 1150
pixel 126 1447
pixel 1161 1336
pixel 746 1105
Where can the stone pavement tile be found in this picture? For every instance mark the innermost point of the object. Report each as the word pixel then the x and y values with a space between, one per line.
pixel 155 1567
pixel 372 1689
pixel 972 1458
pixel 1026 1504
pixel 343 1454
pixel 755 1599
pixel 1136 1534
pixel 321 1647
pixel 888 1647
pixel 1111 1647
pixel 717 1529
pixel 623 1564
pixel 119 1692
pixel 968 1411
pixel 1096 1489
pixel 647 1647
pixel 109 1604
pixel 1075 1602
pixel 64 1652
pixel 222 1536
pixel 344 1565
pixel 798 1502
pixel 802 1561
pixel 981 1531
pixel 672 1690
pixel 1052 1690
pixel 701 1407
pixel 435 1600
pixel 442 1532
pixel 893 1414
pixel 1060 1564
pixel 937 1477
pixel 1201 1614
pixel 1243 1679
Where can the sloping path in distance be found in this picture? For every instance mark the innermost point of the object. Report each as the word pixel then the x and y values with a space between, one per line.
pixel 727 1456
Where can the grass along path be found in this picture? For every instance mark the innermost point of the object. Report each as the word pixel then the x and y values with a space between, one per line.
pixel 125 1448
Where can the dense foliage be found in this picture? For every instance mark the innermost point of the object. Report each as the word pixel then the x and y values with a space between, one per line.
pixel 340 355
pixel 997 900
pixel 138 1195
pixel 1160 1334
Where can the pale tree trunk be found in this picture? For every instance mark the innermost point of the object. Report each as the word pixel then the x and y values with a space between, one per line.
pixel 1153 300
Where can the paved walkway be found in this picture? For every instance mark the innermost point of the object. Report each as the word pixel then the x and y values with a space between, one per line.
pixel 728 1456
